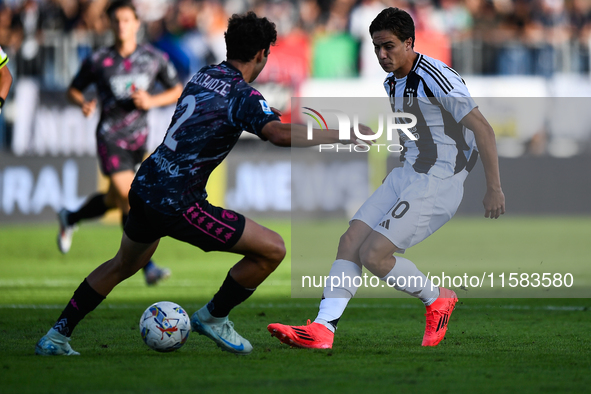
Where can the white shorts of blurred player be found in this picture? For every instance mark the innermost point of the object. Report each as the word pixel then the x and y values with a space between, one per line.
pixel 408 206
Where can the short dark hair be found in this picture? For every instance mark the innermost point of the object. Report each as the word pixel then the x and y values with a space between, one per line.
pixel 398 21
pixel 247 34
pixel 117 4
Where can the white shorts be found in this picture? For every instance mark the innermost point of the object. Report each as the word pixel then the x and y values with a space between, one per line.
pixel 408 206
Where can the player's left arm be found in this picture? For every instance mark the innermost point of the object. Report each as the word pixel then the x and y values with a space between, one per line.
pixel 494 199
pixel 252 113
pixel 168 77
pixel 457 101
pixel 296 135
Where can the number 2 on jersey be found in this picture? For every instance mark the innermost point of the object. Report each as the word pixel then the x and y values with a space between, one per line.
pixel 169 141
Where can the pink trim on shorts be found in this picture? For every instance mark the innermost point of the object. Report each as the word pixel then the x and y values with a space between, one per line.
pixel 211 226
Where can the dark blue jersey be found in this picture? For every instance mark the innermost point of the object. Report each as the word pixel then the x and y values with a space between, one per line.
pixel 216 106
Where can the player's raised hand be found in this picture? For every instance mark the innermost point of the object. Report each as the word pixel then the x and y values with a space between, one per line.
pixel 142 99
pixel 276 111
pixel 494 203
pixel 88 107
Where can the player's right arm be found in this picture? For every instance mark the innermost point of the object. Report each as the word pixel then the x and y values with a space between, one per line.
pixel 77 97
pixel 80 82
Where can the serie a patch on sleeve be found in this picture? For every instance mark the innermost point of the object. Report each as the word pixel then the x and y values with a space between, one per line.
pixel 266 107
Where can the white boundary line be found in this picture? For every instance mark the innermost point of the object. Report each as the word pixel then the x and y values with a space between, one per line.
pixel 560 308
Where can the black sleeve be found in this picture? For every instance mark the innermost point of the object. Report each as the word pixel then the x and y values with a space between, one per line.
pixel 85 76
pixel 251 112
pixel 167 74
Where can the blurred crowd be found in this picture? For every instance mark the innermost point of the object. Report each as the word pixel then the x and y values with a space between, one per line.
pixel 501 37
pixel 47 40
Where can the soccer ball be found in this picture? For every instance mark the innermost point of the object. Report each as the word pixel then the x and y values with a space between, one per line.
pixel 165 326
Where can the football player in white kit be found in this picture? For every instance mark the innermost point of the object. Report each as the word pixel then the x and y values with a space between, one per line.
pixel 417 198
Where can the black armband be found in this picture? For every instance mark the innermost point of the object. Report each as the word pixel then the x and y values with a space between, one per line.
pixel 1 102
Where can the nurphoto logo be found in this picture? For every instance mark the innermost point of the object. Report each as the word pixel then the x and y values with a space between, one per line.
pixel 404 123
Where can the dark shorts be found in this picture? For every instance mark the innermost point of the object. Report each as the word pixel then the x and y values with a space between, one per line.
pixel 203 225
pixel 115 159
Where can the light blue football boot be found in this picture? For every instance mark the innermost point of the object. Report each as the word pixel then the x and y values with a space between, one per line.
pixel 54 344
pixel 220 330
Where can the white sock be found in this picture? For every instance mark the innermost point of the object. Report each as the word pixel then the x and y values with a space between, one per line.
pixel 406 277
pixel 335 299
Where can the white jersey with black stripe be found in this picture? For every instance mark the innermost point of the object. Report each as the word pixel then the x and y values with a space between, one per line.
pixel 438 97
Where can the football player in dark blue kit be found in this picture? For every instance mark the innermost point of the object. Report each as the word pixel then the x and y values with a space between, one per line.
pixel 123 75
pixel 168 196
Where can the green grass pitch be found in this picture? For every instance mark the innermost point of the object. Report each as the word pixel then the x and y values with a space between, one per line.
pixel 493 345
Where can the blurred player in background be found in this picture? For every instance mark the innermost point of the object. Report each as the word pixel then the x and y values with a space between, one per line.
pixel 123 74
pixel 168 196
pixel 5 78
pixel 414 200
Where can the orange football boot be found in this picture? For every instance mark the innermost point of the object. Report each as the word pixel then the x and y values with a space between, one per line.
pixel 438 314
pixel 312 335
